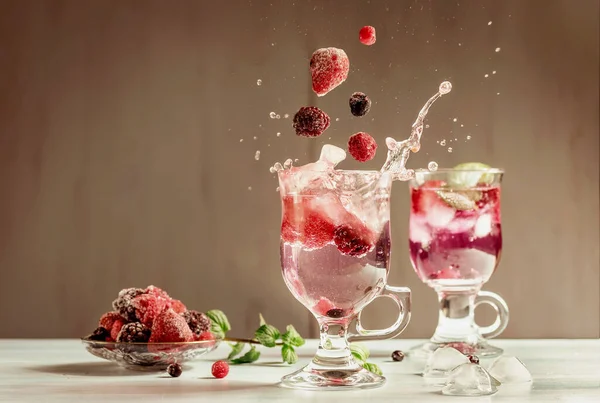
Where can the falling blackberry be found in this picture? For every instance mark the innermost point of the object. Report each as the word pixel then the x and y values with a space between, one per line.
pixel 100 334
pixel 135 332
pixel 311 121
pixel 360 104
pixel 123 303
pixel 197 321
pixel 174 370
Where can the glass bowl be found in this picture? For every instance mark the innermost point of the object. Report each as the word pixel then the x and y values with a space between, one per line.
pixel 149 356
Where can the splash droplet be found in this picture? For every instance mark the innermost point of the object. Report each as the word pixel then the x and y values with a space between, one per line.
pixel 468 137
pixel 432 166
pixel 241 140
pixel 277 117
pixel 249 187
pixel 445 87
pixel 259 82
pixel 497 50
pixel 490 23
pixel 486 76
pixel 255 137
pixel 455 120
pixel 257 155
pixel 443 143
pixel 287 115
pixel 272 115
pixel 337 119
pixel 278 134
pixel 449 149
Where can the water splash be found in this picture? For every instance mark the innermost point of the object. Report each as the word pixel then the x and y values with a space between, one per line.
pixel 432 166
pixel 399 151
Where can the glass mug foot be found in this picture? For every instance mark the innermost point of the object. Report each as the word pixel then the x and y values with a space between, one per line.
pixel 319 377
pixel 481 349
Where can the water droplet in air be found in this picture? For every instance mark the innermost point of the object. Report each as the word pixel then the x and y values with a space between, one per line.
pixel 497 50
pixel 427 126
pixel 486 76
pixel 278 134
pixel 445 87
pixel 257 155
pixel 461 125
pixel 255 137
pixel 287 164
pixel 259 82
pixel 432 166
pixel 241 140
pixel 455 120
pixel 490 23
pixel 249 187
pixel 277 189
pixel 337 119
pixel 449 149
pixel 277 117
pixel 443 143
pixel 494 72
pixel 287 115
pixel 272 115
pixel 468 137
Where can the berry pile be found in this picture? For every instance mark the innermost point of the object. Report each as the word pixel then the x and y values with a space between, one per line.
pixel 149 314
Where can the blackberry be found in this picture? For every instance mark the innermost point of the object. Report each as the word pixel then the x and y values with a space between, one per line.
pixel 360 104
pixel 123 303
pixel 397 355
pixel 473 358
pixel 311 121
pixel 335 313
pixel 350 241
pixel 135 332
pixel 197 321
pixel 174 370
pixel 100 334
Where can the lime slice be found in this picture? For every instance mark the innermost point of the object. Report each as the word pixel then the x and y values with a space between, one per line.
pixel 470 179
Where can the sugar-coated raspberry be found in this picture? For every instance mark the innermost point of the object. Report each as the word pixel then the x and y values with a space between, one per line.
pixel 134 332
pixel 206 336
pixel 169 327
pixel 362 146
pixel 148 307
pixel 177 306
pixel 197 321
pixel 108 319
pixel 352 240
pixel 100 334
pixel 116 328
pixel 311 121
pixel 123 303
pixel 174 370
pixel 360 104
pixel 329 68
pixel 366 35
pixel 151 289
pixel 220 369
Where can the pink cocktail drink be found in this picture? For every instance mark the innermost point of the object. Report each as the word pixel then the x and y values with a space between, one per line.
pixel 455 235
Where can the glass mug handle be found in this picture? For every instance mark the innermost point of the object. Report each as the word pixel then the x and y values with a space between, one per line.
pixel 401 296
pixel 499 305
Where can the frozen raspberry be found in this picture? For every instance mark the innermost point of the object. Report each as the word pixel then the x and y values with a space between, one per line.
pixel 310 121
pixel 329 68
pixel 206 336
pixel 174 370
pixel 366 35
pixel 100 334
pixel 352 241
pixel 123 303
pixel 317 231
pixel 108 319
pixel 169 327
pixel 134 332
pixel 323 306
pixel 177 306
pixel 360 104
pixel 197 321
pixel 116 328
pixel 289 220
pixel 151 289
pixel 148 307
pixel 362 146
pixel 220 369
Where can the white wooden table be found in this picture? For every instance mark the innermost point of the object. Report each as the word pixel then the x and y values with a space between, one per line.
pixel 62 371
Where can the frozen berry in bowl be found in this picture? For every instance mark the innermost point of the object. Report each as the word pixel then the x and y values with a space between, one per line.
pixel 134 332
pixel 362 146
pixel 360 104
pixel 123 303
pixel 329 68
pixel 170 327
pixel 197 321
pixel 310 121
pixel 116 328
pixel 220 369
pixel 100 334
pixel 148 306
pixel 205 336
pixel 174 370
pixel 367 36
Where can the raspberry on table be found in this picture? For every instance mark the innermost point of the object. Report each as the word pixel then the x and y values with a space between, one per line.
pixel 220 369
pixel 174 370
pixel 116 328
pixel 360 104
pixel 362 146
pixel 197 321
pixel 134 332
pixel 367 36
pixel 148 307
pixel 329 68
pixel 100 334
pixel 352 241
pixel 310 121
pixel 170 327
pixel 123 303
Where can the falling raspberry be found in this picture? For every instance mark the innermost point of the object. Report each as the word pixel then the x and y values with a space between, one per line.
pixel 360 104
pixel 352 241
pixel 220 369
pixel 367 35
pixel 362 146
pixel 310 121
pixel 329 68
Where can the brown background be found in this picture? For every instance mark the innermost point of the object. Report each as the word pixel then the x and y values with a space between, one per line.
pixel 121 162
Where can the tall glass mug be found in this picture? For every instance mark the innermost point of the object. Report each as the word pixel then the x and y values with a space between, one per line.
pixel 335 254
pixel 455 238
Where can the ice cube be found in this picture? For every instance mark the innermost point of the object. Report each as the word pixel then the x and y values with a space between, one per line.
pixel 509 369
pixel 332 155
pixel 469 380
pixel 443 360
pixel 418 231
pixel 483 226
pixel 439 215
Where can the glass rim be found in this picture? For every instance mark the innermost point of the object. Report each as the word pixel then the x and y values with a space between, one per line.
pixel 349 171
pixel 453 170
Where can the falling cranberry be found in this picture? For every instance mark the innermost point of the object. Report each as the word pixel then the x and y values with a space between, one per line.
pixel 473 358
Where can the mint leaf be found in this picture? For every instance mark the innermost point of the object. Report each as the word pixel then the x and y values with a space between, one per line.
pixel 219 325
pixel 247 358
pixel 289 354
pixel 267 335
pixel 372 368
pixel 359 351
pixel 262 320
pixel 235 349
pixel 457 201
pixel 291 337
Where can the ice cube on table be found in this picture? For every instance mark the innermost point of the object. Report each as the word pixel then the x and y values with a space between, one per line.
pixel 509 369
pixel 469 380
pixel 442 360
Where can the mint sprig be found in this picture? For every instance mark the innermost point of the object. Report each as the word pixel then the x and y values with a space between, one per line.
pixel 361 353
pixel 219 324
